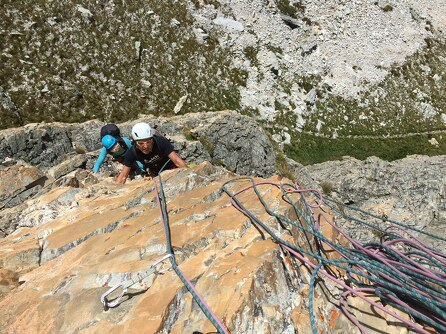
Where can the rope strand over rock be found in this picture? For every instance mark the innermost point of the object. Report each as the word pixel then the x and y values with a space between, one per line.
pixel 195 294
pixel 402 271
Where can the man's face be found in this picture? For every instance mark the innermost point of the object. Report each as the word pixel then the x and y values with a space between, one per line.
pixel 145 145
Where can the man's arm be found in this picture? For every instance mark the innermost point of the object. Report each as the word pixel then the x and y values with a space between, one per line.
pixel 175 158
pixel 122 177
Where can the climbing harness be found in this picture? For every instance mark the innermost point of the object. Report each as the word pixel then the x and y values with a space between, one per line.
pixel 128 283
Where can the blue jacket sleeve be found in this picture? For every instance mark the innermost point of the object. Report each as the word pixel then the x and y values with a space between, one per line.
pixel 100 160
pixel 140 165
pixel 127 141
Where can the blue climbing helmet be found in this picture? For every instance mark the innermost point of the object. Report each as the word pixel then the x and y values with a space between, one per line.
pixel 108 141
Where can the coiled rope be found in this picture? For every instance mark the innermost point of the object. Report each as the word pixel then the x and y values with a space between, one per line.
pixel 401 271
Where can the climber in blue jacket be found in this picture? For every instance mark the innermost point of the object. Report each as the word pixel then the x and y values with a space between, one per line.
pixel 117 148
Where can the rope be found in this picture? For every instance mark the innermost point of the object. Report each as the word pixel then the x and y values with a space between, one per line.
pixel 405 226
pixel 412 281
pixel 401 272
pixel 170 254
pixel 169 250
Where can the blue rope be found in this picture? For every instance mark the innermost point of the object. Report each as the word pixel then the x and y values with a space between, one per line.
pixel 169 250
pixel 373 270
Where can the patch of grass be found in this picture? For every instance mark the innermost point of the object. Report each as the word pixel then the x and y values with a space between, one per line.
pixel 80 150
pixel 394 106
pixel 327 187
pixel 188 134
pixel 251 112
pixel 282 166
pixel 220 163
pixel 279 106
pixel 378 233
pixel 310 149
pixel 387 8
pixel 202 3
pixel 290 7
pixel 207 145
pixel 250 53
pixel 73 69
pixel 408 104
pixel 274 49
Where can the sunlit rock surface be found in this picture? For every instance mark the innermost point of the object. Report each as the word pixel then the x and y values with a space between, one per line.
pixel 54 271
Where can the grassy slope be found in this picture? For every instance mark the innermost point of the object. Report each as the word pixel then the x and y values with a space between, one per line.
pixel 57 65
pixel 396 118
pixel 65 67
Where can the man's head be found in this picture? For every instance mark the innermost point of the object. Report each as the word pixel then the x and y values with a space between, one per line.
pixel 142 134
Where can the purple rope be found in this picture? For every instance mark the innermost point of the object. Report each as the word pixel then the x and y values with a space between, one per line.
pixel 375 254
pixel 208 309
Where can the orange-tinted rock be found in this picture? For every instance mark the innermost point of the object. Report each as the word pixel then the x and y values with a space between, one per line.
pixel 107 234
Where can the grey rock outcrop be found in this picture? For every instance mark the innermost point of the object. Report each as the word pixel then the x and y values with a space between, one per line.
pixel 410 190
pixel 46 145
pixel 57 154
pixel 76 234
pixel 227 138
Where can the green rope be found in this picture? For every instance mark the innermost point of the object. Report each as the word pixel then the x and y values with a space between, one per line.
pixel 405 288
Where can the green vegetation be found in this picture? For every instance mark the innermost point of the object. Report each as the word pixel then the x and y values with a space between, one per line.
pixel 388 8
pixel 274 49
pixel 199 3
pixel 394 106
pixel 310 149
pixel 282 166
pixel 124 60
pixel 133 58
pixel 207 145
pixel 327 187
pixel 80 150
pixel 250 53
pixel 379 234
pixel 290 7
pixel 394 119
pixel 188 134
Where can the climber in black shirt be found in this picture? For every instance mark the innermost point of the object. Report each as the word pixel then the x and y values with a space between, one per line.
pixel 153 151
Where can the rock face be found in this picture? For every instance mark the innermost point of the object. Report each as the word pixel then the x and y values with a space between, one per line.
pixel 55 270
pixel 227 138
pixel 52 154
pixel 295 262
pixel 46 145
pixel 411 190
pixel 106 233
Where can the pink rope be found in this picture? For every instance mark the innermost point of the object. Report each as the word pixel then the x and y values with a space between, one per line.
pixel 375 254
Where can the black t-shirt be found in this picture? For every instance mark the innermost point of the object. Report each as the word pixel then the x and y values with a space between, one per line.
pixel 155 159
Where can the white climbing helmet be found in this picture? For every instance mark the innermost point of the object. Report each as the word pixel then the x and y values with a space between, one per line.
pixel 142 131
